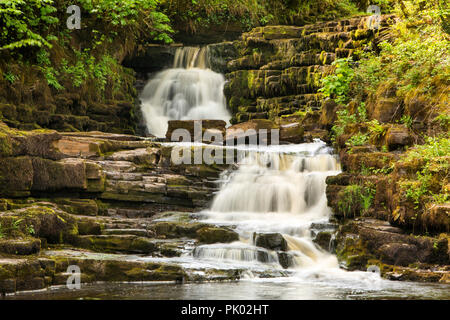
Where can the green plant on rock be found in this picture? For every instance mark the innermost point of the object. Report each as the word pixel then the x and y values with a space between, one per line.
pixel 416 189
pixel 50 73
pixel 433 171
pixel 407 121
pixel 10 77
pixel 358 139
pixel 137 17
pixel 356 200
pixel 377 131
pixel 337 85
pixel 344 118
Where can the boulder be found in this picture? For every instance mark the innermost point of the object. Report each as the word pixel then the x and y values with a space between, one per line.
pixel 436 217
pixel 323 239
pixel 86 207
pixel 148 156
pixel 292 133
pixel 271 241
pixel 216 234
pixel 399 254
pixel 20 246
pixel 72 147
pixel 328 113
pixel 177 229
pixel 16 176
pixel 359 241
pixel 56 175
pixel 212 126
pixel 48 222
pixel 398 137
pixel 251 132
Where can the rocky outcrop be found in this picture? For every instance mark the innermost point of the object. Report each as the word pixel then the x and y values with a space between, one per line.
pixel 205 128
pixel 100 193
pixel 271 241
pixel 274 71
pixel 364 242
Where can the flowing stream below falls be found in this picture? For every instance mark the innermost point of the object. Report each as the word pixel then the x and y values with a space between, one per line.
pixel 274 189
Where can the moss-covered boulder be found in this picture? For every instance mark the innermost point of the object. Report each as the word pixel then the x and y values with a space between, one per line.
pixel 216 234
pixel 87 207
pixel 177 229
pixel 116 243
pixel 55 175
pixel 16 176
pixel 25 246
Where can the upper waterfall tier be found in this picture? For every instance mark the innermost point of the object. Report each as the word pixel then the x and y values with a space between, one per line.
pixel 189 91
pixel 191 57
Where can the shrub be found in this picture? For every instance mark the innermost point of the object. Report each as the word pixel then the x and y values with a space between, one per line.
pixel 337 84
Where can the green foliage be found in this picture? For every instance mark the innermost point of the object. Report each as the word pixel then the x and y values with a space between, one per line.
pixel 443 119
pixel 137 17
pixel 357 140
pixel 407 121
pixel 26 23
pixel 416 189
pixel 191 15
pixel 337 84
pixel 434 170
pixel 370 170
pixel 10 77
pixel 377 131
pixel 343 119
pixel 415 57
pixel 356 200
pixel 434 147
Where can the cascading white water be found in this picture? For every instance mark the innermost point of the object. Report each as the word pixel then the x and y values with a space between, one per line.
pixel 275 189
pixel 188 91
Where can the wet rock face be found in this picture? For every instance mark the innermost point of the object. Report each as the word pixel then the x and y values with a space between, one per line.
pixel 398 137
pixel 285 259
pixel 271 241
pixel 20 247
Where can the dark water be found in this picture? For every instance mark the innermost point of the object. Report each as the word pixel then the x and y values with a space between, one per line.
pixel 254 290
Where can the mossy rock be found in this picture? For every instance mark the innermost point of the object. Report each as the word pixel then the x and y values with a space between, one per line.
pixel 16 176
pixel 216 234
pixel 26 246
pixel 87 207
pixel 116 243
pixel 177 229
pixel 47 222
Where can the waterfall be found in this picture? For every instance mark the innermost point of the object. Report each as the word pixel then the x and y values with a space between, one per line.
pixel 188 91
pixel 277 189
